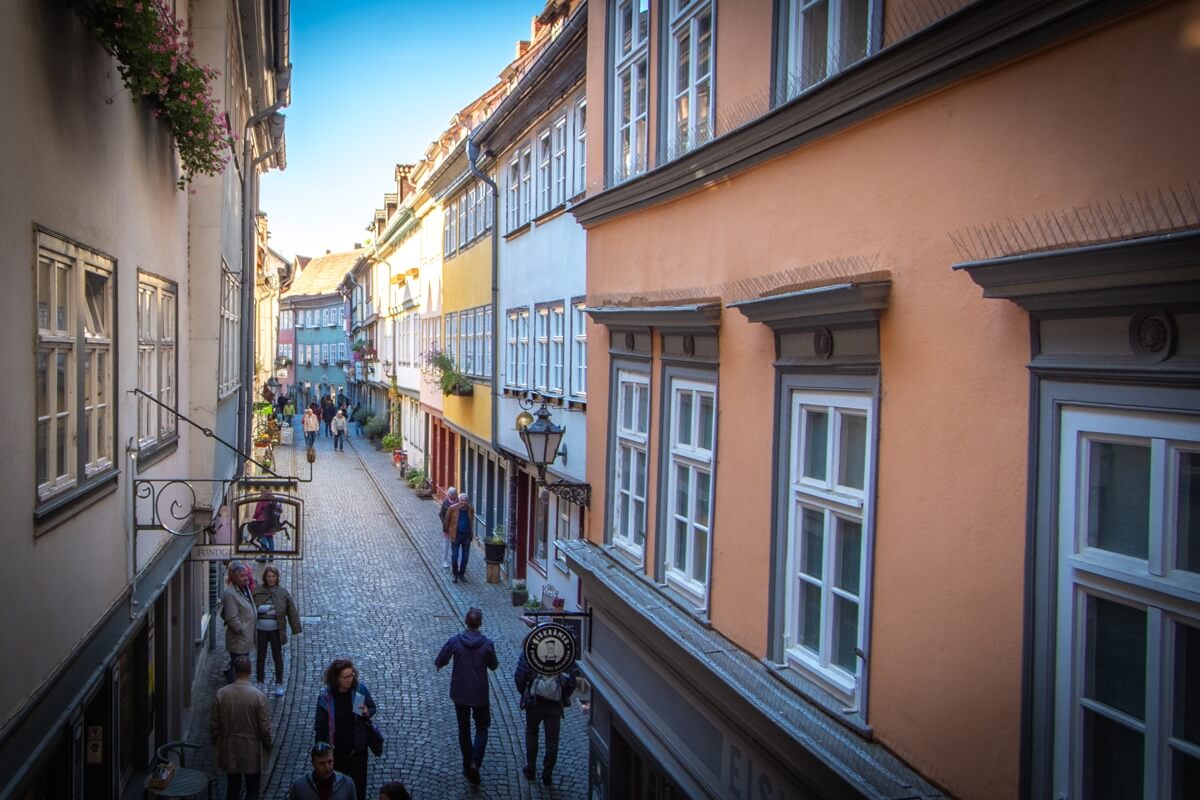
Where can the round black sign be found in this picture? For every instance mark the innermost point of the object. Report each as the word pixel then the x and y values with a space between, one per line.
pixel 549 649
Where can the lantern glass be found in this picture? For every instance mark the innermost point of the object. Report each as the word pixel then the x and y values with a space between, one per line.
pixel 542 439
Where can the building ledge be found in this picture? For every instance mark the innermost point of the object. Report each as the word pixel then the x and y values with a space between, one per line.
pixel 841 303
pixel 833 760
pixel 692 316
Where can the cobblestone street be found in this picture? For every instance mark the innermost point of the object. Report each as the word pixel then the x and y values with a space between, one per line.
pixel 371 588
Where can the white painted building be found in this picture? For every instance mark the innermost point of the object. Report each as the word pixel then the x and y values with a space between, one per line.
pixel 538 134
pixel 115 282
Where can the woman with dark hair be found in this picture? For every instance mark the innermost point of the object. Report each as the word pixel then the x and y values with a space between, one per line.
pixel 344 708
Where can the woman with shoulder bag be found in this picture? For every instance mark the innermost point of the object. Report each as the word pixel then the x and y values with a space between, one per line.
pixel 344 711
pixel 276 613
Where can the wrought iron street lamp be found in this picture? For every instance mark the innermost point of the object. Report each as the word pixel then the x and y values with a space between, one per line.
pixel 542 439
pixel 273 384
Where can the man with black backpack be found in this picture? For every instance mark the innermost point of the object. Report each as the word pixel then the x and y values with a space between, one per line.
pixel 543 697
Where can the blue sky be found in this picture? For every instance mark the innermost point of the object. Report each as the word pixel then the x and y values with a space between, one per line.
pixel 374 82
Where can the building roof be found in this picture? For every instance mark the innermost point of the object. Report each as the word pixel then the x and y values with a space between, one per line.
pixel 324 273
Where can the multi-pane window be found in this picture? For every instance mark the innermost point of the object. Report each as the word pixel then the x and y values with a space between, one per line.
pixel 541 349
pixel 558 167
pixel 563 530
pixel 510 348
pixel 578 349
pixel 228 373
pixel 325 354
pixel 487 341
pixel 452 228
pixel 543 518
pixel 452 336
pixel 74 369
pixel 285 320
pixel 554 379
pixel 157 377
pixel 824 37
pixel 629 461
pixel 467 362
pixel 692 432
pixel 342 355
pixel 514 194
pixel 522 374
pixel 630 73
pixel 543 172
pixel 461 205
pixel 690 78
pixel 471 218
pixel 828 503
pixel 580 147
pixel 526 185
pixel 1128 683
pixel 483 196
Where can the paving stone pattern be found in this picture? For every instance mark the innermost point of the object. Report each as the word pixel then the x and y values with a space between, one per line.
pixel 372 573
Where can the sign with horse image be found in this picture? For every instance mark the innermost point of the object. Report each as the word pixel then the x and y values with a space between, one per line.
pixel 268 525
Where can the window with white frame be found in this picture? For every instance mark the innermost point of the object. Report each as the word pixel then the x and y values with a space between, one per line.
pixel 285 320
pixel 74 365
pixel 487 340
pixel 511 324
pixel 482 341
pixel 578 349
pixel 564 530
pixel 830 458
pixel 823 37
pixel 692 430
pixel 558 167
pixel 490 215
pixel 228 372
pixel 526 185
pixel 461 205
pixel 690 78
pixel 325 354
pixel 630 77
pixel 325 317
pixel 522 378
pixel 467 337
pixel 543 172
pixel 514 193
pixel 157 374
pixel 580 147
pixel 544 517
pixel 541 349
pixel 482 196
pixel 451 338
pixel 471 218
pixel 1128 625
pixel 554 378
pixel 632 422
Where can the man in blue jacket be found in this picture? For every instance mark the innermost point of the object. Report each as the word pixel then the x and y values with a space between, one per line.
pixel 323 783
pixel 474 654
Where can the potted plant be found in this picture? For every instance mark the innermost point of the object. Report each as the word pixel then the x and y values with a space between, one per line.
pixel 440 366
pixel 494 545
pixel 374 429
pixel 393 442
pixel 533 605
pixel 520 594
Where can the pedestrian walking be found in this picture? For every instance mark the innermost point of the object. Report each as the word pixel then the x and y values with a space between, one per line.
pixel 473 654
pixel 324 783
pixel 543 698
pixel 451 499
pixel 339 431
pixel 460 524
pixel 311 426
pixel 239 724
pixel 327 412
pixel 344 710
pixel 276 613
pixel 394 791
pixel 237 609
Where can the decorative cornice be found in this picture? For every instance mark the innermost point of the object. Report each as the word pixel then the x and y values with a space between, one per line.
pixel 838 304
pixel 1153 269
pixel 693 316
pixel 967 42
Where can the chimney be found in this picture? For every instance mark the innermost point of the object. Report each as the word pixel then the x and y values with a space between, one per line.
pixel 358 245
pixel 391 202
pixel 522 48
pixel 326 251
pixel 404 184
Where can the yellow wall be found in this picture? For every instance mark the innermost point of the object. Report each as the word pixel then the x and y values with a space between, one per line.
pixel 1107 115
pixel 467 283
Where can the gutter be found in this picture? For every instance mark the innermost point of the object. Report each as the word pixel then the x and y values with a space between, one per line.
pixel 473 165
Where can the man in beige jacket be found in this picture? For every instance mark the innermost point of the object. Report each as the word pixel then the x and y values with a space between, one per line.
pixel 240 726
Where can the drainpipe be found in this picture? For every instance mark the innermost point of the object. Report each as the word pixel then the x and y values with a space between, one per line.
pixel 249 248
pixel 472 159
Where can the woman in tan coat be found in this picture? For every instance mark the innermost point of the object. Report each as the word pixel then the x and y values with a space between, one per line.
pixel 276 613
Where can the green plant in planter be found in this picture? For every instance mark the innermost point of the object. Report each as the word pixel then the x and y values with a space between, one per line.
pixel 520 594
pixel 441 366
pixel 361 415
pixel 375 427
pixel 393 441
pixel 533 604
pixel 415 477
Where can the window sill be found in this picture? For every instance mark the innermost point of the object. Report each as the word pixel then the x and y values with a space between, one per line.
pixel 806 685
pixel 689 602
pixel 517 231
pixel 62 507
pixel 635 562
pixel 151 455
pixel 546 216
pixel 537 567
pixel 577 404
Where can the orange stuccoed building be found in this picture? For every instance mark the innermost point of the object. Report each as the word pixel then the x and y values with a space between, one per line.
pixel 894 310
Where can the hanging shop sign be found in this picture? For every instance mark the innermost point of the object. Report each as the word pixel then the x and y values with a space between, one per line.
pixel 550 649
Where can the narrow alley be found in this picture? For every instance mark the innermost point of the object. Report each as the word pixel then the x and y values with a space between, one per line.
pixel 371 588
